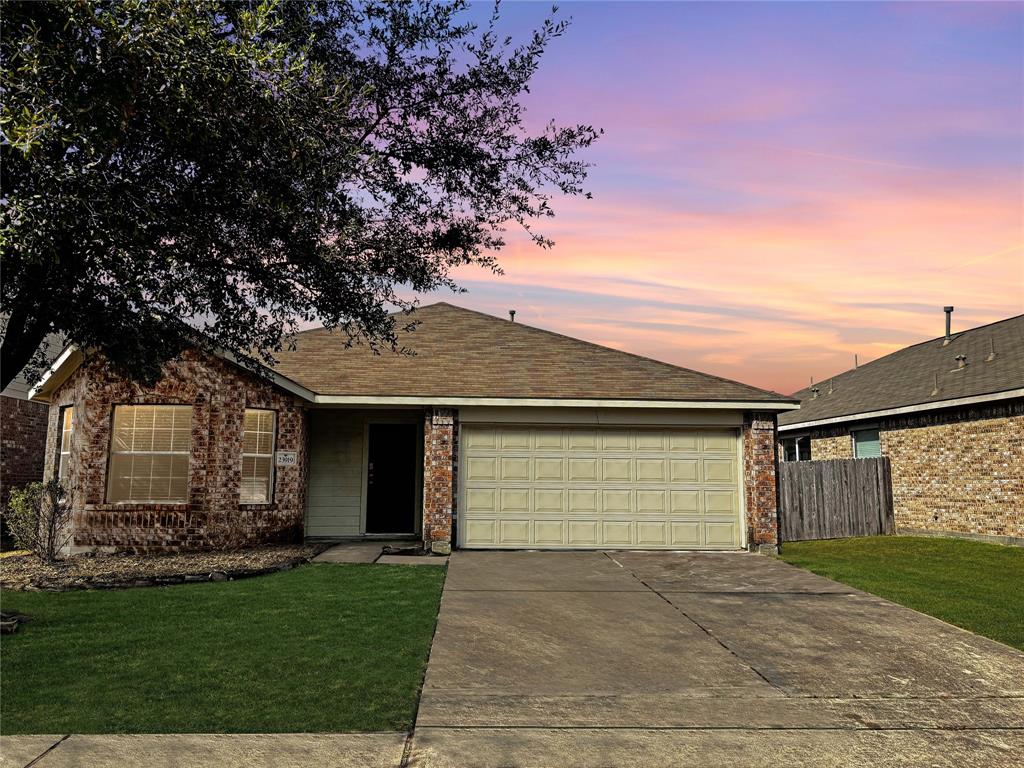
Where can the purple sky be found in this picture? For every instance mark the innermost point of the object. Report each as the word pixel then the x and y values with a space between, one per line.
pixel 781 185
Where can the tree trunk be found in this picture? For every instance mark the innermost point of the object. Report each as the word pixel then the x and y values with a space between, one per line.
pixel 23 335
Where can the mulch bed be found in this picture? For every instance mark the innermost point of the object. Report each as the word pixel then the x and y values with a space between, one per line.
pixel 27 572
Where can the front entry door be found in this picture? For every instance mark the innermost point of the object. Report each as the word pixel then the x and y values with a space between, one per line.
pixel 391 479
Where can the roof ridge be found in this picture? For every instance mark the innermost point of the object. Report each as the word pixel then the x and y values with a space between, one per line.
pixel 956 335
pixel 604 348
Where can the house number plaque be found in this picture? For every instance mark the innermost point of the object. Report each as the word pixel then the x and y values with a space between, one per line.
pixel 286 459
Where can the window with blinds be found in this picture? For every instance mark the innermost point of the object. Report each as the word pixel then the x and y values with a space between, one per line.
pixel 258 457
pixel 67 414
pixel 149 454
pixel 866 444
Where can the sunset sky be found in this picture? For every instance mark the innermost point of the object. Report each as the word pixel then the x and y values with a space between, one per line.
pixel 780 185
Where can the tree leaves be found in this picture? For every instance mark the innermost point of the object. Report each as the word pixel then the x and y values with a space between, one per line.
pixel 218 173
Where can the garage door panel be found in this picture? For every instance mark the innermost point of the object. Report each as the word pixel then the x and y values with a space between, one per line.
pixel 582 502
pixel 651 441
pixel 651 502
pixel 719 501
pixel 514 500
pixel 512 439
pixel 582 440
pixel 684 442
pixel 719 470
pixel 617 533
pixel 548 501
pixel 481 500
pixel 651 471
pixel 548 469
pixel 718 442
pixel 480 532
pixel 549 532
pixel 582 470
pixel 583 533
pixel 481 468
pixel 516 468
pixel 685 533
pixel 684 470
pixel 651 534
pixel 513 532
pixel 617 470
pixel 615 440
pixel 541 486
pixel 720 534
pixel 617 501
pixel 684 502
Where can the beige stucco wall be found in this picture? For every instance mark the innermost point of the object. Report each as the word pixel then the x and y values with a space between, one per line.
pixel 336 496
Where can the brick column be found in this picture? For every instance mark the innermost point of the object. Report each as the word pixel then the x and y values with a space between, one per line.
pixel 759 481
pixel 439 457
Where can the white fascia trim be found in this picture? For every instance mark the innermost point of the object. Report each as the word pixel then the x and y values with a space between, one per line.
pixel 995 396
pixel 62 367
pixel 544 402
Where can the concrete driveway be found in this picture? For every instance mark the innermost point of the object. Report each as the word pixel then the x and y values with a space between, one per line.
pixel 669 659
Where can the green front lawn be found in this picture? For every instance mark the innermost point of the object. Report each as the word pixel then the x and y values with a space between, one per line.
pixel 976 586
pixel 322 648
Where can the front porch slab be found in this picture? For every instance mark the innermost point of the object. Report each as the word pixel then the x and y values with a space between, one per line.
pixel 366 551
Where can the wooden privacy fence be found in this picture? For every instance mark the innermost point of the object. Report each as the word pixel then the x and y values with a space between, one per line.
pixel 835 499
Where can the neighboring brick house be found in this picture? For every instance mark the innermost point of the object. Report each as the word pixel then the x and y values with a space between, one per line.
pixel 949 414
pixel 493 434
pixel 23 424
pixel 22 434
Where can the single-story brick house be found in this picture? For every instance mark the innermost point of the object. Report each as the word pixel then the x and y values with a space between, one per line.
pixel 493 434
pixel 949 414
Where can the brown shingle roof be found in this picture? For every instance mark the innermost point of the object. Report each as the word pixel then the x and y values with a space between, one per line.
pixel 908 377
pixel 463 353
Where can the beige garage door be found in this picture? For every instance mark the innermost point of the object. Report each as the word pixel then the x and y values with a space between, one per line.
pixel 571 487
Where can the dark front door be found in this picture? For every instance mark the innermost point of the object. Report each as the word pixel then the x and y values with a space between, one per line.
pixel 391 479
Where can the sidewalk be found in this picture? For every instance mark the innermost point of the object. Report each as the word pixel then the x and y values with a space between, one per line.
pixel 244 750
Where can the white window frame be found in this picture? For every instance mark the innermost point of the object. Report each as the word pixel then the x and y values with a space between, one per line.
pixel 866 428
pixel 112 452
pixel 796 447
pixel 67 428
pixel 270 455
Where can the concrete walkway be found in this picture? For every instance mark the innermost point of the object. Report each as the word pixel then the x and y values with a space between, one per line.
pixel 287 750
pixel 666 659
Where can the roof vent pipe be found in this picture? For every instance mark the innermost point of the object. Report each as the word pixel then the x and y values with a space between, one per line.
pixel 512 315
pixel 961 361
pixel 949 323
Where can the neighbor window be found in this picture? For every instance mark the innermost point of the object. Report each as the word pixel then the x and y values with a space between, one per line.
pixel 64 453
pixel 866 444
pixel 796 449
pixel 149 454
pixel 257 457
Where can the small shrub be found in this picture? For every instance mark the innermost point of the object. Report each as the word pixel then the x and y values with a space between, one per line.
pixel 38 516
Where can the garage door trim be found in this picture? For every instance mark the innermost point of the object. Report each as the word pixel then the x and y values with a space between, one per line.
pixel 625 530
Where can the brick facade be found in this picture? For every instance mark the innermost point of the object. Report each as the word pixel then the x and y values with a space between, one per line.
pixel 219 393
pixel 760 484
pixel 440 463
pixel 831 443
pixel 22 446
pixel 958 470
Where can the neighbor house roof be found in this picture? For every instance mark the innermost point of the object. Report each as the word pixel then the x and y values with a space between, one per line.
pixel 924 376
pixel 460 353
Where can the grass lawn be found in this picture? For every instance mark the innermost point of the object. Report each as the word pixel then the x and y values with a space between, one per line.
pixel 322 648
pixel 973 585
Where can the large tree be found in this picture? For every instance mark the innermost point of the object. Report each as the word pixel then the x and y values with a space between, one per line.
pixel 219 172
